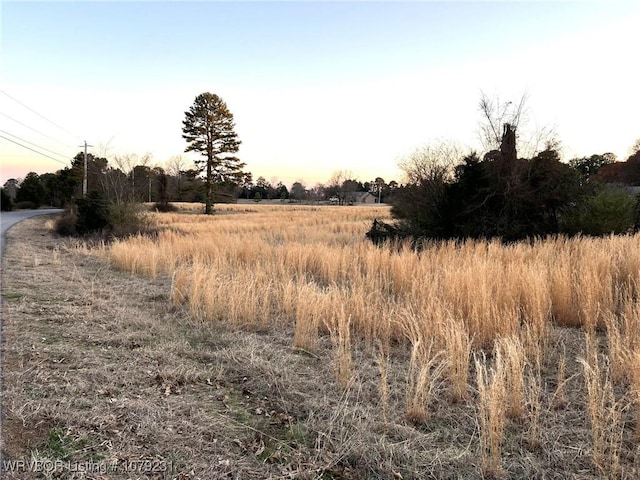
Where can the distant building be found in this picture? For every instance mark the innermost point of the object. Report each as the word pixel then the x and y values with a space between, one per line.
pixel 357 198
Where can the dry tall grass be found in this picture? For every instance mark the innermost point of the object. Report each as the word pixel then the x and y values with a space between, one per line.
pixel 511 353
pixel 492 397
pixel 262 264
pixel 605 411
pixel 426 367
pixel 310 270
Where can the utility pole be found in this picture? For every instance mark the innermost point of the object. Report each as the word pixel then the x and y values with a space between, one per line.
pixel 84 177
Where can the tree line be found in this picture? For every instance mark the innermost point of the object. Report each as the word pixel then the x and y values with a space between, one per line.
pixel 502 195
pixel 446 194
pixel 216 176
pixel 158 185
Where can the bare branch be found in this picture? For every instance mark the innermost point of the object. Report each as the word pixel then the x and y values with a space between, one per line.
pixel 431 161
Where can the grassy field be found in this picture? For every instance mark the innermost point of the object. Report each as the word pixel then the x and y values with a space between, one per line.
pixel 274 341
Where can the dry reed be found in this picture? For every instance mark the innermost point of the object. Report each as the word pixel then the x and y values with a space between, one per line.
pixel 340 330
pixel 426 368
pixel 311 269
pixel 268 254
pixel 634 380
pixel 605 412
pixel 492 413
pixel 511 353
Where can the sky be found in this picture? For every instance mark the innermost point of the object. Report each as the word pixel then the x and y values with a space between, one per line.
pixel 314 87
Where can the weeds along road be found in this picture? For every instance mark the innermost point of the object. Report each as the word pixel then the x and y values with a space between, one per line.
pixel 8 219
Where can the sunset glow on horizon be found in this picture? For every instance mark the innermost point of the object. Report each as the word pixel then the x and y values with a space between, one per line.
pixel 315 87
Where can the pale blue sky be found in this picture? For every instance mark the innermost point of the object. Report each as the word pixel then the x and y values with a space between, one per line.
pixel 315 87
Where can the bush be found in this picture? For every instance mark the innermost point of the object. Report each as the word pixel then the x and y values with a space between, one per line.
pixel 610 210
pixel 93 214
pixel 128 219
pixel 25 205
pixel 5 201
pixel 164 207
pixel 66 223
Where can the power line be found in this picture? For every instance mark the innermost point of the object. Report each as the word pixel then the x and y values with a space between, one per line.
pixel 31 143
pixel 37 131
pixel 39 153
pixel 40 115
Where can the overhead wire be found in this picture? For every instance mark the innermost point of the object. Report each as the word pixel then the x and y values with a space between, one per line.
pixel 39 147
pixel 37 131
pixel 38 114
pixel 33 150
pixel 34 144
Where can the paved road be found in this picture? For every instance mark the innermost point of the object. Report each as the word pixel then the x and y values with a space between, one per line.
pixel 8 219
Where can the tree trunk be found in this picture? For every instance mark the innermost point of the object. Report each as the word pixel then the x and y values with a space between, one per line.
pixel 208 210
pixel 508 144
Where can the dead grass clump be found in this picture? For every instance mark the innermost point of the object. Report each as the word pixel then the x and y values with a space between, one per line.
pixel 424 374
pixel 339 327
pixel 427 365
pixel 457 344
pixel 534 392
pixel 634 380
pixel 492 403
pixel 605 411
pixel 559 399
pixel 510 352
pixel 618 352
pixel 383 365
pixel 311 308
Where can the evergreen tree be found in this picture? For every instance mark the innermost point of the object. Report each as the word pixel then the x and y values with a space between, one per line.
pixel 208 128
pixel 31 190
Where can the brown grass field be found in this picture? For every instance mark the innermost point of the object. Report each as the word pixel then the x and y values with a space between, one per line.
pixel 274 341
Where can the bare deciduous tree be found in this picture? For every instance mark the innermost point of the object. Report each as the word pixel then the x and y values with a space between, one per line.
pixel 175 166
pixel 495 113
pixel 340 185
pixel 435 161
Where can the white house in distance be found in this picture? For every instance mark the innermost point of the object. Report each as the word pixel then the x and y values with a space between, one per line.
pixel 362 198
pixel 355 198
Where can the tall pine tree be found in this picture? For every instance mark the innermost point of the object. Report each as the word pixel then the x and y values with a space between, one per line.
pixel 208 128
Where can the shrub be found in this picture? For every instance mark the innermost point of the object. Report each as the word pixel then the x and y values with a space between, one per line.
pixel 66 223
pixel 25 205
pixel 93 214
pixel 127 219
pixel 164 207
pixel 5 201
pixel 610 210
